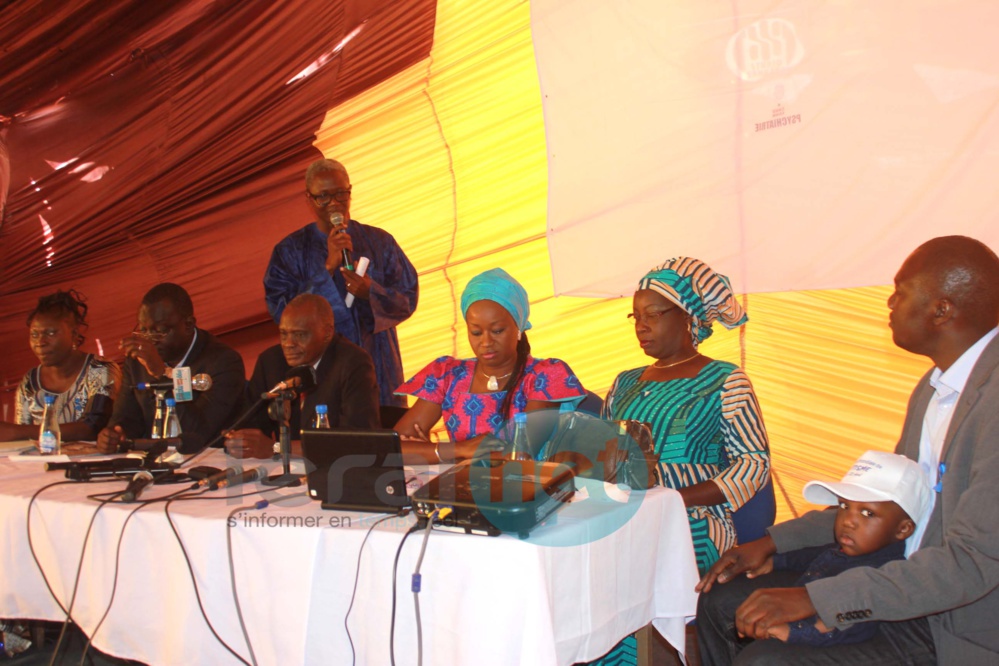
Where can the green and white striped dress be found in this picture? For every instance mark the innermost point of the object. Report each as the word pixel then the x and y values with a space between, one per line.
pixel 705 427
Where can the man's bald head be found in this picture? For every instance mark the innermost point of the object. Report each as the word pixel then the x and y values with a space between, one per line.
pixel 965 272
pixel 315 307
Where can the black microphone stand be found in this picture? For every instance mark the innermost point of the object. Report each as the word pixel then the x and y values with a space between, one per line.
pixel 280 414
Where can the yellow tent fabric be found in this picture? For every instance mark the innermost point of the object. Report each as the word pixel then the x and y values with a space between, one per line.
pixel 450 157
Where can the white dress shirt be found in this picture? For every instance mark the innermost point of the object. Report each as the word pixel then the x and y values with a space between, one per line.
pixel 947 389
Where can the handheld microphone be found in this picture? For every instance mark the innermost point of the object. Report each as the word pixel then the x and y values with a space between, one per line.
pixel 199 382
pixel 56 466
pixel 213 481
pixel 300 379
pixel 135 487
pixel 248 476
pixel 340 227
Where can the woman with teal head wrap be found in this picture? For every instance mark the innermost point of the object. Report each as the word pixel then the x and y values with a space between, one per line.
pixel 498 286
pixel 477 396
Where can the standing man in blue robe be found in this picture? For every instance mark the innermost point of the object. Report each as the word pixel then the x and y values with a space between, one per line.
pixel 310 260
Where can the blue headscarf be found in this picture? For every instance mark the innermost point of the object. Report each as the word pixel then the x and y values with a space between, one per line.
pixel 703 294
pixel 496 285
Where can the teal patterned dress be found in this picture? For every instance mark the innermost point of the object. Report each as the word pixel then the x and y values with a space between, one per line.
pixel 706 427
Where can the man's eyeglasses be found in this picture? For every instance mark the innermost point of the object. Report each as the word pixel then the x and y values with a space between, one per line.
pixel 648 317
pixel 323 199
pixel 152 335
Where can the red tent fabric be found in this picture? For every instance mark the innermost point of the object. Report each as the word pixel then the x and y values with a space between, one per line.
pixel 143 142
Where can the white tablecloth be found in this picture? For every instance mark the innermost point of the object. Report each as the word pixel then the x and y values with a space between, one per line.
pixel 484 600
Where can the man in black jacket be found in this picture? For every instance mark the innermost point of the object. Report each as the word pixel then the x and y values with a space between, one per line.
pixel 167 337
pixel 345 378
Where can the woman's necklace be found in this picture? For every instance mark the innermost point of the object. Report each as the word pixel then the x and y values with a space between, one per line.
pixel 670 365
pixel 492 381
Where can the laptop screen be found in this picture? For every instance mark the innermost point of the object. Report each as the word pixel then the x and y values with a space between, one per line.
pixel 355 470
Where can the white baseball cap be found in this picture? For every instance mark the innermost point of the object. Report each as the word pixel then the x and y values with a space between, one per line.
pixel 878 476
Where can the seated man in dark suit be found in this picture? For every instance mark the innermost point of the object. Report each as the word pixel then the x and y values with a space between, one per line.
pixel 345 378
pixel 166 337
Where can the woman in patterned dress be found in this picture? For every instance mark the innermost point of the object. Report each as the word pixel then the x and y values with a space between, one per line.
pixel 84 385
pixel 477 396
pixel 705 418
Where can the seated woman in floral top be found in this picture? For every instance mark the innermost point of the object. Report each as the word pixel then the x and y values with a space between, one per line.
pixel 84 385
pixel 477 396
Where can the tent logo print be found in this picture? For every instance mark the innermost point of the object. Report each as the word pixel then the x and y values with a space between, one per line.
pixel 765 47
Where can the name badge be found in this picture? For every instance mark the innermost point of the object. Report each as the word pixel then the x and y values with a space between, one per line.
pixel 182 391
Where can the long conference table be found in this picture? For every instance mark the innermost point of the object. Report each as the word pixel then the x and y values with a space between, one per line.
pixel 601 569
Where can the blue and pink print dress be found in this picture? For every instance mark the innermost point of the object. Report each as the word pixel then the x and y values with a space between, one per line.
pixel 447 382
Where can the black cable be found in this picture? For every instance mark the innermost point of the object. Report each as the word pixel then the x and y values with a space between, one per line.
pixel 261 491
pixel 76 581
pixel 97 496
pixel 117 559
pixel 232 578
pixel 235 426
pixel 194 582
pixel 357 576
pixel 417 583
pixel 177 496
pixel 395 571
pixel 103 499
pixel 31 545
pixel 232 565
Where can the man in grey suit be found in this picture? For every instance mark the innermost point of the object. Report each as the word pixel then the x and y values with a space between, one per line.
pixel 941 605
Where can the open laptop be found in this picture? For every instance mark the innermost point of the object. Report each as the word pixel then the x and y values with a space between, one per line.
pixel 355 470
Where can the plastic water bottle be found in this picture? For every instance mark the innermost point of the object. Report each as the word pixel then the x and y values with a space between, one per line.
pixel 520 447
pixel 566 419
pixel 171 423
pixel 49 435
pixel 322 420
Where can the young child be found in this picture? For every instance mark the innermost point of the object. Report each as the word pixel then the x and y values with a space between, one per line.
pixel 881 499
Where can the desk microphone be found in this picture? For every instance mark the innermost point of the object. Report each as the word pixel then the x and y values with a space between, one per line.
pixel 301 378
pixel 199 382
pixel 135 487
pixel 213 480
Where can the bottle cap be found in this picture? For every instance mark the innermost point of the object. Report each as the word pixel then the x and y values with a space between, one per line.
pixel 170 402
pixel 49 399
pixel 321 409
pixel 520 417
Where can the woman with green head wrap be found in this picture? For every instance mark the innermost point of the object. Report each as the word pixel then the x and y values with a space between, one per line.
pixel 705 419
pixel 477 396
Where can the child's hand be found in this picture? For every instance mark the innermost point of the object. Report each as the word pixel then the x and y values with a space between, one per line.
pixel 779 631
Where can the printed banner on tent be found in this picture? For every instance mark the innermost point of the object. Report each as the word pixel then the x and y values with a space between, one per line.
pixel 795 145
